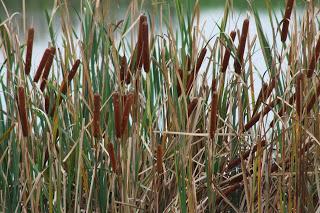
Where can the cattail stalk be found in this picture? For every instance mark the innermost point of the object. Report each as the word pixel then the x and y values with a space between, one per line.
pixel 286 20
pixel 29 50
pixel 117 113
pixel 195 71
pixel 159 159
pixel 145 51
pixel 112 156
pixel 47 69
pixel 227 54
pixel 96 115
pixel 314 59
pixel 238 63
pixel 23 112
pixel 43 62
pixel 214 110
pixel 126 112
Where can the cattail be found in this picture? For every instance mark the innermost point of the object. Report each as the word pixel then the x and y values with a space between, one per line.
pixel 261 96
pixel 47 68
pixel 96 115
pixel 188 63
pixel 227 54
pixel 195 71
pixel 126 112
pixel 192 105
pixel 159 159
pixel 145 50
pixel 140 43
pixel 112 156
pixel 117 113
pixel 257 116
pixel 43 62
pixel 133 60
pixel 123 68
pixel 314 59
pixel 29 50
pixel 313 99
pixel 214 109
pixel 242 44
pixel 286 20
pixel 73 70
pixel 23 111
pixel 299 98
pixel 47 103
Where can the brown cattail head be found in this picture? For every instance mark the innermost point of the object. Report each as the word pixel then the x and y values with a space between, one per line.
pixel 192 105
pixel 126 112
pixel 180 72
pixel 214 110
pixel 140 42
pixel 47 68
pixel 29 51
pixel 238 63
pixel 299 94
pixel 123 68
pixel 73 70
pixel 43 62
pixel 314 59
pixel 188 63
pixel 145 50
pixel 195 71
pixel 112 156
pixel 159 159
pixel 23 112
pixel 227 54
pixel 96 115
pixel 286 20
pixel 117 113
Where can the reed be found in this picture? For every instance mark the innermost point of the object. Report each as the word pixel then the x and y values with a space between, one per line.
pixel 22 108
pixel 227 53
pixel 29 50
pixel 286 20
pixel 47 68
pixel 314 59
pixel 238 62
pixel 42 64
pixel 96 115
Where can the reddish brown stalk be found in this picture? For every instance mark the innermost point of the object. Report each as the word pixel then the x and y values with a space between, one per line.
pixel 112 156
pixel 214 110
pixel 96 115
pixel 29 50
pixel 117 113
pixel 126 112
pixel 299 95
pixel 257 116
pixel 23 112
pixel 145 50
pixel 238 63
pixel 123 68
pixel 314 59
pixel 159 159
pixel 192 105
pixel 227 54
pixel 286 20
pixel 195 71
pixel 43 62
pixel 47 68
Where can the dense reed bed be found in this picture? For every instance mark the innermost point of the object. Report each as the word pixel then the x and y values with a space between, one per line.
pixel 149 115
